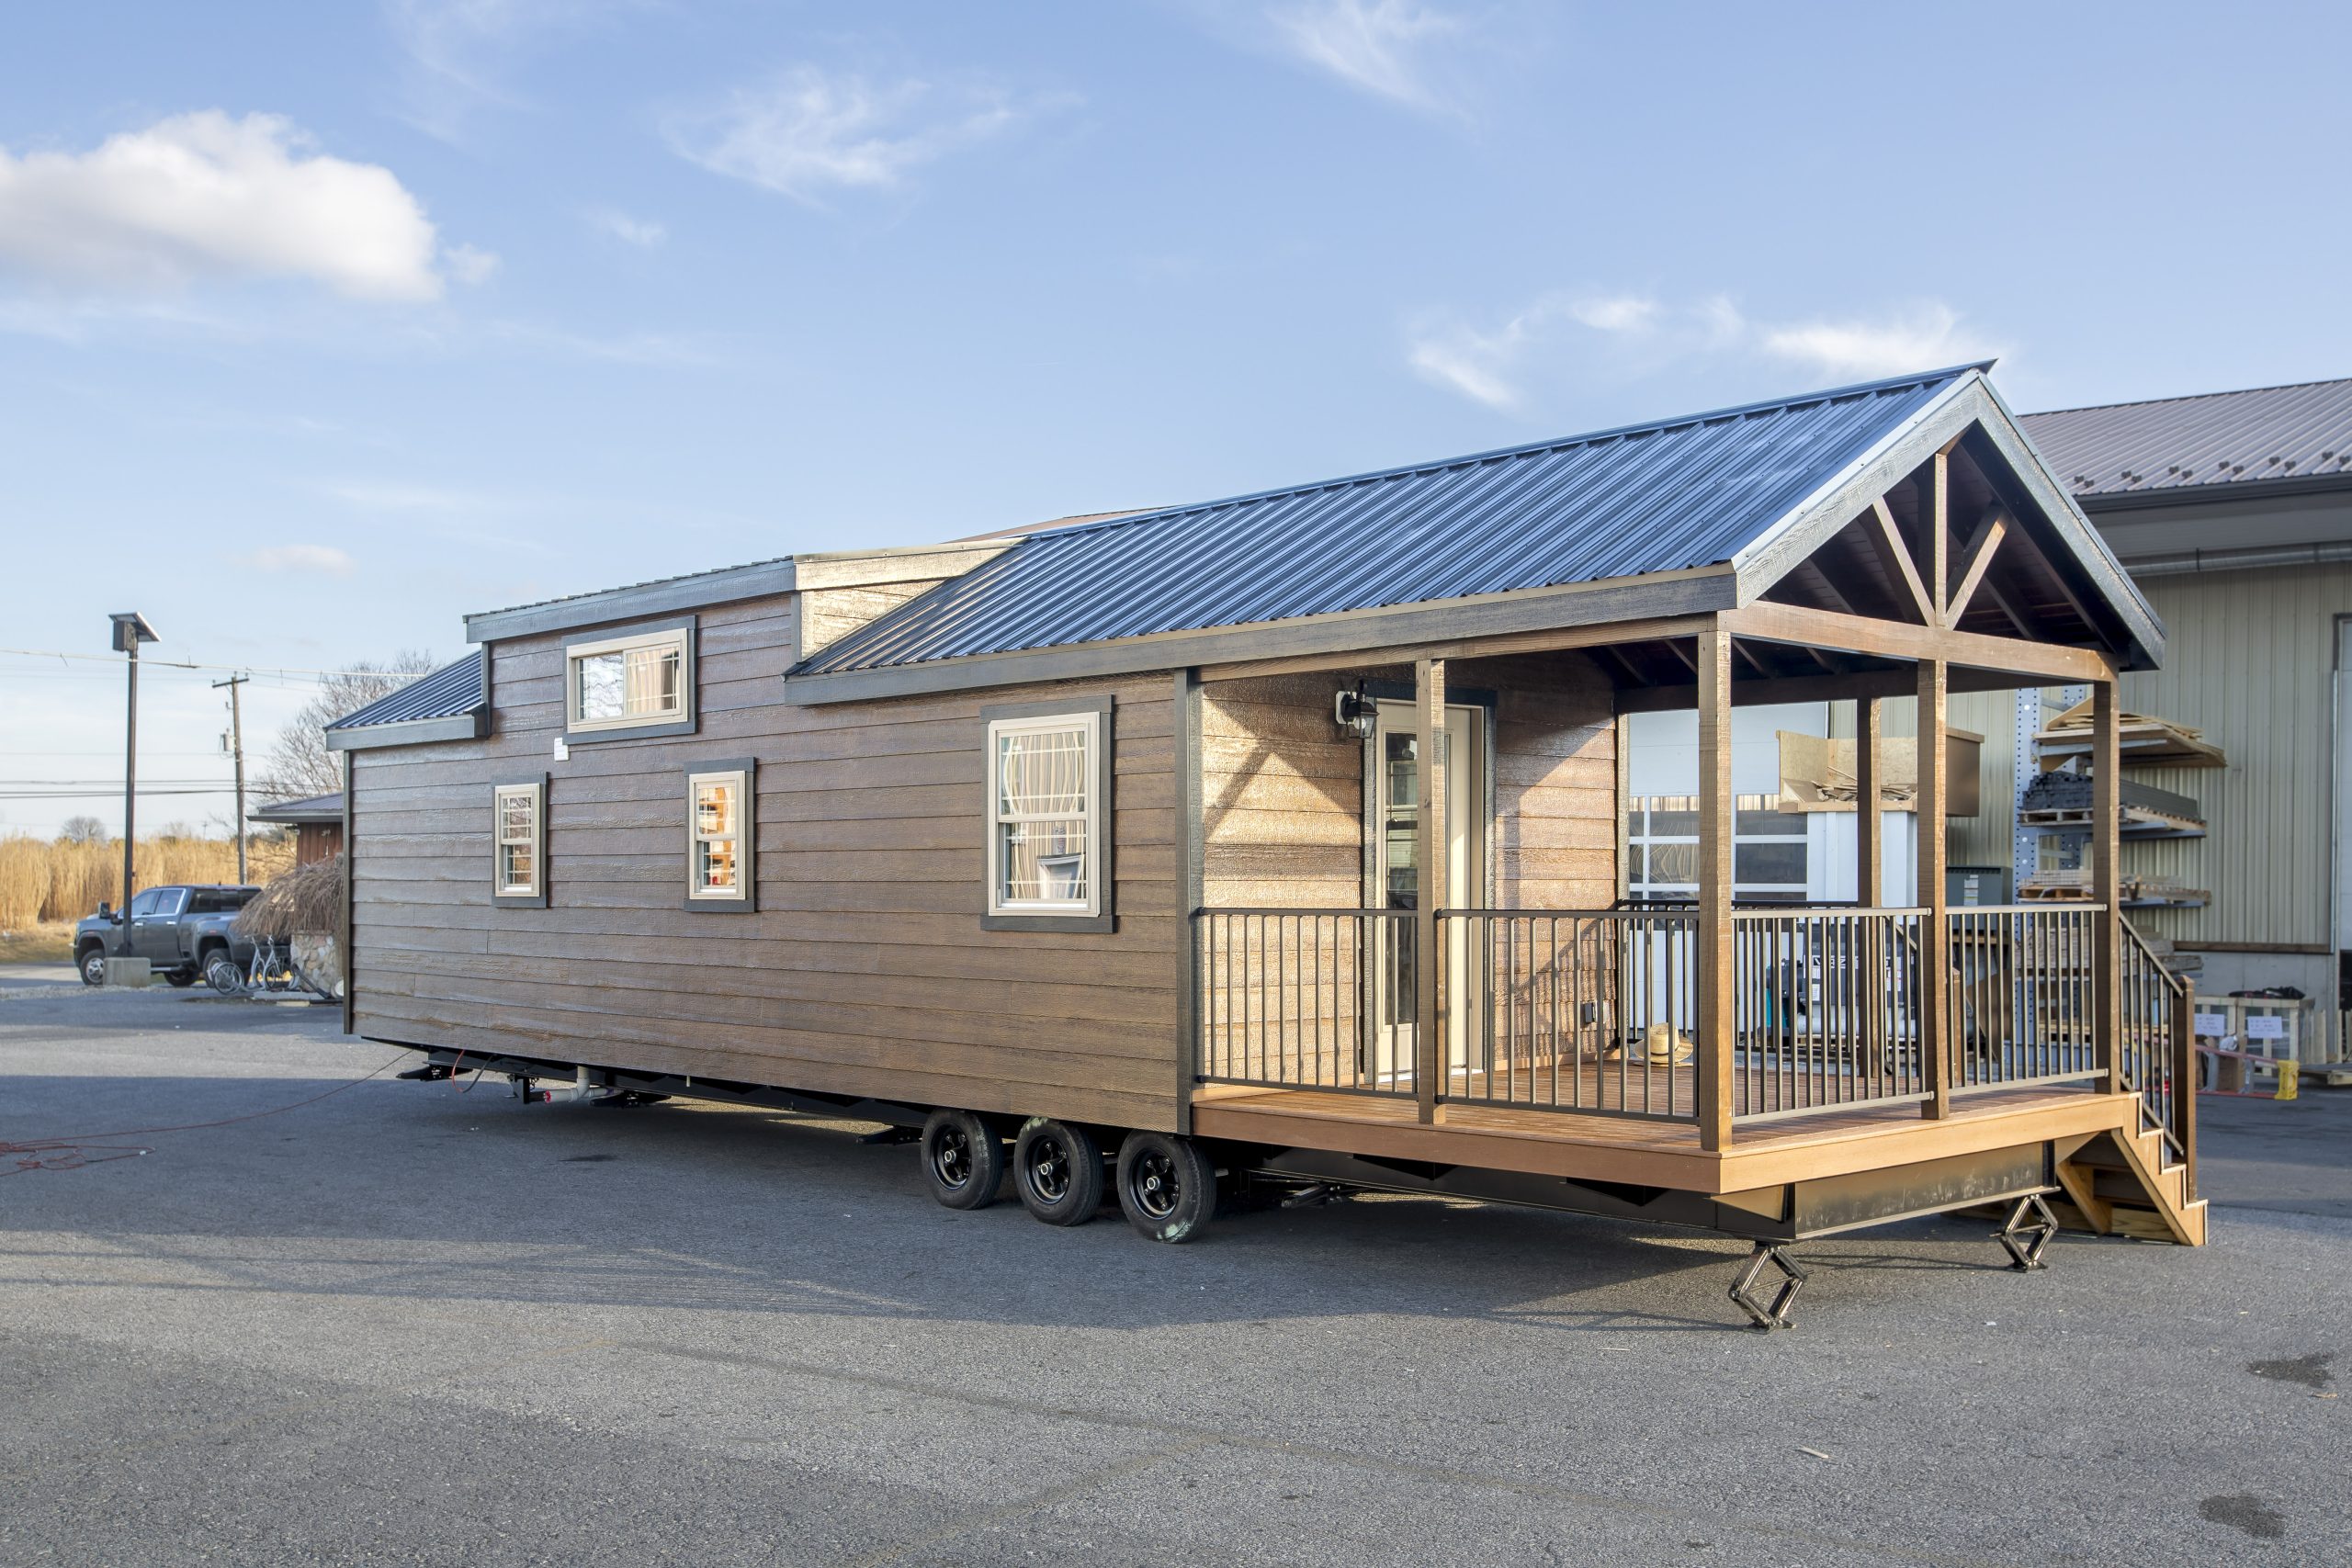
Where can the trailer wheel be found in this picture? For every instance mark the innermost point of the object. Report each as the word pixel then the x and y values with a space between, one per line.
pixel 962 1159
pixel 1058 1170
pixel 1167 1186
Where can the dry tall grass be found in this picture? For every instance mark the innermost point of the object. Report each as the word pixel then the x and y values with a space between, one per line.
pixel 43 879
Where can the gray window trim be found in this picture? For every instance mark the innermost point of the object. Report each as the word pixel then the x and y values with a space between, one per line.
pixel 1106 918
pixel 540 847
pixel 746 901
pixel 689 680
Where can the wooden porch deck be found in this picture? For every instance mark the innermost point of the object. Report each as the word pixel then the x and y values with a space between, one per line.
pixel 1585 1147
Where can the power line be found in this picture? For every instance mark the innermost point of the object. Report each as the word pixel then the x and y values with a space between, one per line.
pixel 187 664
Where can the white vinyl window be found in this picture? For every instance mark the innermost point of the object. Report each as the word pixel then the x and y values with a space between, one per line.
pixel 627 682
pixel 1045 820
pixel 719 841
pixel 519 866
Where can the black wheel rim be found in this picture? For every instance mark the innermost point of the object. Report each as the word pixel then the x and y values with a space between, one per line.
pixel 1049 1172
pixel 1154 1186
pixel 951 1158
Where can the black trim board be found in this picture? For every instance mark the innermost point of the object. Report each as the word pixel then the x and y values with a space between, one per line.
pixel 1105 919
pixel 472 725
pixel 1348 631
pixel 703 591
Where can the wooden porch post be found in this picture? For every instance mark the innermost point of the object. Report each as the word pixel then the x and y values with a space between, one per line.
pixel 1430 1059
pixel 1869 854
pixel 1190 894
pixel 1935 935
pixel 1714 1018
pixel 2106 788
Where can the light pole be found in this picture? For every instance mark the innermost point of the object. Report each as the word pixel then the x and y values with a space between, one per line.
pixel 130 629
pixel 237 748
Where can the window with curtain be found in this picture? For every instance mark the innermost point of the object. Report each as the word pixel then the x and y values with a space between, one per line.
pixel 720 835
pixel 629 683
pixel 519 866
pixel 1045 817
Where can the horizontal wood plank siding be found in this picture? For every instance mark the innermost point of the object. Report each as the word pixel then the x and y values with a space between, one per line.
pixel 864 970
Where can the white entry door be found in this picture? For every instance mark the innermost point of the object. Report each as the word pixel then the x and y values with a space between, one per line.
pixel 1393 812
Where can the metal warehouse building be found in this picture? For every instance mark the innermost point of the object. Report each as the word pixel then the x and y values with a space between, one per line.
pixel 2233 512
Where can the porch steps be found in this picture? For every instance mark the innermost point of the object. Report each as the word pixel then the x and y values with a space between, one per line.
pixel 2129 1183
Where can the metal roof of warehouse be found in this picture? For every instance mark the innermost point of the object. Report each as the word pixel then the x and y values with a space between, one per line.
pixel 1689 491
pixel 451 691
pixel 2266 435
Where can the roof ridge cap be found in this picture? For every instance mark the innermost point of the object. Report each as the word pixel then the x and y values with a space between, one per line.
pixel 2193 397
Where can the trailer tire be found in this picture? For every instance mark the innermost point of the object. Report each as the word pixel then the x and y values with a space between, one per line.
pixel 1058 1170
pixel 962 1159
pixel 1167 1186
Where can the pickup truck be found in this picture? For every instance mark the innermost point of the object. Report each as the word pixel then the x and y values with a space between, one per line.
pixel 183 932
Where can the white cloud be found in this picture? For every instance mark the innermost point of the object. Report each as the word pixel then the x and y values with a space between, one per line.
pixel 1633 335
pixel 1381 46
pixel 324 560
pixel 202 196
pixel 809 132
pixel 644 234
pixel 1926 337
pixel 459 52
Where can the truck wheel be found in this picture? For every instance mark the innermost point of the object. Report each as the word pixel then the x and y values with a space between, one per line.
pixel 182 977
pixel 93 965
pixel 1058 1170
pixel 221 973
pixel 962 1159
pixel 1167 1186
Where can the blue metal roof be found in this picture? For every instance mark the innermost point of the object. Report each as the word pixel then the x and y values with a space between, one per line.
pixel 451 691
pixel 1683 492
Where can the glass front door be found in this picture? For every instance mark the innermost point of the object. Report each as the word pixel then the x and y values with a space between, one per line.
pixel 1395 813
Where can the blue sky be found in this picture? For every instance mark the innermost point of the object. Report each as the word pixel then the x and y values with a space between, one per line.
pixel 325 324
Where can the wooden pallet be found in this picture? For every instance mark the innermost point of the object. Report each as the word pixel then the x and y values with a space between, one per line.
pixel 2140 739
pixel 2138 822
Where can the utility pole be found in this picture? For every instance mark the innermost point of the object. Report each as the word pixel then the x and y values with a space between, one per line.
pixel 130 629
pixel 237 749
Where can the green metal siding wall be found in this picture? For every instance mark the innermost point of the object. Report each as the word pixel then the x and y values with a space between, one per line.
pixel 2249 659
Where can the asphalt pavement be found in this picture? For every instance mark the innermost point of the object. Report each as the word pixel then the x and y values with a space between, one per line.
pixel 330 1317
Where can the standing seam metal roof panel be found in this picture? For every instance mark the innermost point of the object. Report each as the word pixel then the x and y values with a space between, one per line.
pixel 2197 443
pixel 450 692
pixel 1642 499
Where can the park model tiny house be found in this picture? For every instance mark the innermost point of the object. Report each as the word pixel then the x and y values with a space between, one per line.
pixel 1285 836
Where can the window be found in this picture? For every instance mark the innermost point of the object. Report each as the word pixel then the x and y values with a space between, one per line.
pixel 641 682
pixel 519 841
pixel 1048 797
pixel 1771 858
pixel 719 841
pixel 145 904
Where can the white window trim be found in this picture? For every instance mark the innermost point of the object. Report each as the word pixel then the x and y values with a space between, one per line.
pixel 743 835
pixel 537 795
pixel 1091 907
pixel 669 637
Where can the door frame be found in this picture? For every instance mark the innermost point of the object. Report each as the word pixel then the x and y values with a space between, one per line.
pixel 1481 704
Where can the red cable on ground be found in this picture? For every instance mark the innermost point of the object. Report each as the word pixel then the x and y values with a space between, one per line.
pixel 71 1148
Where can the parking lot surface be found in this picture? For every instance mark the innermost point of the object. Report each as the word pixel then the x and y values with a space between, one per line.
pixel 399 1323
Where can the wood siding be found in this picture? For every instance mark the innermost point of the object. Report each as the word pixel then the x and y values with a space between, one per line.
pixel 864 970
pixel 1557 813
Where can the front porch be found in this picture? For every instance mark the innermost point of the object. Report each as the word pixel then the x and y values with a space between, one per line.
pixel 1447 967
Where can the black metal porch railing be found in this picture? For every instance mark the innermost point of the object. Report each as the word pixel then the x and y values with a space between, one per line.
pixel 2024 995
pixel 1586 1011
pixel 1826 1009
pixel 2156 1052
pixel 1307 998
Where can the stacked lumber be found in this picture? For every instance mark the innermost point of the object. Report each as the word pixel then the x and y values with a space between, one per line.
pixel 2141 739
